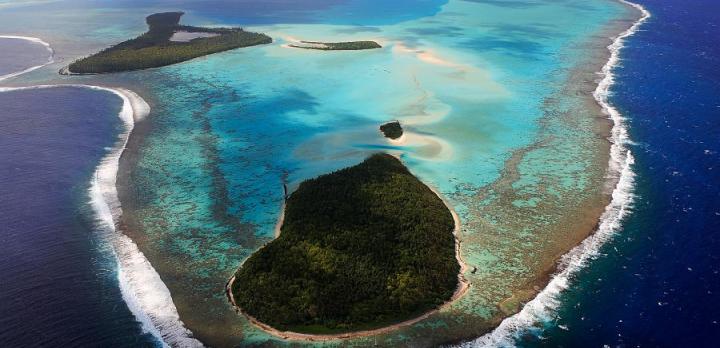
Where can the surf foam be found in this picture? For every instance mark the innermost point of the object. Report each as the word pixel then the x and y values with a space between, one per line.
pixel 542 307
pixel 142 289
pixel 50 60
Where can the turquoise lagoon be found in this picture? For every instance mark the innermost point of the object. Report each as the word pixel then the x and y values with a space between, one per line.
pixel 495 96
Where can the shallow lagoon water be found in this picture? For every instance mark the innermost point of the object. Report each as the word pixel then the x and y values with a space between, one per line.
pixel 230 129
pixel 482 86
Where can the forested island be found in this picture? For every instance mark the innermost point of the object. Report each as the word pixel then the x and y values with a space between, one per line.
pixel 155 48
pixel 336 46
pixel 392 130
pixel 360 248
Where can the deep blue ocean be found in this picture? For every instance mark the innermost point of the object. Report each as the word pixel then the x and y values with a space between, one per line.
pixel 658 282
pixel 59 286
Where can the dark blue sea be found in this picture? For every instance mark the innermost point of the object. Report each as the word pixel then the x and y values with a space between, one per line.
pixel 58 282
pixel 17 55
pixel 658 282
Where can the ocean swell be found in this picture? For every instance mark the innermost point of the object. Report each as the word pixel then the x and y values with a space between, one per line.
pixel 50 60
pixel 142 289
pixel 542 307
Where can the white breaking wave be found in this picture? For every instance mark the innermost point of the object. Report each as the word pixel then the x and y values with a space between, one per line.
pixel 542 307
pixel 50 60
pixel 142 289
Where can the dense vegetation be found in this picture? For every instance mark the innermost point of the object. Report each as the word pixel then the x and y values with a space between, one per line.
pixel 337 46
pixel 359 248
pixel 392 130
pixel 154 48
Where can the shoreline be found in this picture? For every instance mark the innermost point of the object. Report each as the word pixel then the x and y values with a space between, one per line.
pixel 152 304
pixel 146 295
pixel 50 60
pixel 141 287
pixel 279 223
pixel 619 177
pixel 399 141
pixel 460 291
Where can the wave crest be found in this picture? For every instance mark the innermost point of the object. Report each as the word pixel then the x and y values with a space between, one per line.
pixel 142 289
pixel 50 60
pixel 542 307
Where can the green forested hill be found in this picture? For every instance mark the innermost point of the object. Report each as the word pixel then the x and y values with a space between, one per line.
pixel 154 48
pixel 359 248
